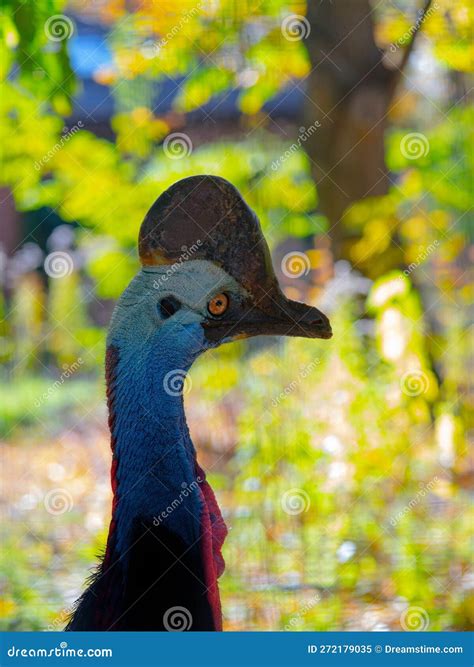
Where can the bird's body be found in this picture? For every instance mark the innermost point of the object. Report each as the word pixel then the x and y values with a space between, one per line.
pixel 163 555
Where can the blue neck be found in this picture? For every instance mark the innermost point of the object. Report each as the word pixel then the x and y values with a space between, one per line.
pixel 153 450
pixel 163 550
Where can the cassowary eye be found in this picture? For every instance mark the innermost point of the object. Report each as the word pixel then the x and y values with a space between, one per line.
pixel 218 304
pixel 168 306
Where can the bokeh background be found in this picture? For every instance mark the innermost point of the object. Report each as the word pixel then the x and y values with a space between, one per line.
pixel 341 466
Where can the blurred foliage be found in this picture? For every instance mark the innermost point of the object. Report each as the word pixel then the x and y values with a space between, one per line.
pixel 363 427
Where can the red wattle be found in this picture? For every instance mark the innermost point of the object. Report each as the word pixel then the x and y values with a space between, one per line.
pixel 214 532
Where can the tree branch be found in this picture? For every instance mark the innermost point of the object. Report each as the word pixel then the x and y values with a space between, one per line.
pixel 408 50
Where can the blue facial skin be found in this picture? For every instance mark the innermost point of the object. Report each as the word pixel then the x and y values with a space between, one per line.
pixel 156 458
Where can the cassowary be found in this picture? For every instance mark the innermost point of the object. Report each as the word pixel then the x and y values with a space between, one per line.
pixel 206 279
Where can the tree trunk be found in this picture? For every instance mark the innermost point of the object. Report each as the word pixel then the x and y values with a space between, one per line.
pixel 349 93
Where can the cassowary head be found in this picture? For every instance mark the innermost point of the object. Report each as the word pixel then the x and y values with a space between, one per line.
pixel 207 276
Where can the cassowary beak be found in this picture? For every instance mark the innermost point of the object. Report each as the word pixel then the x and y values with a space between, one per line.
pixel 276 316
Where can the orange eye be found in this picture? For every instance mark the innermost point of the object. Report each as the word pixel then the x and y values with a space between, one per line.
pixel 218 304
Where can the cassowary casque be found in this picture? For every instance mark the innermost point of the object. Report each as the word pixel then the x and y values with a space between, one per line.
pixel 206 279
